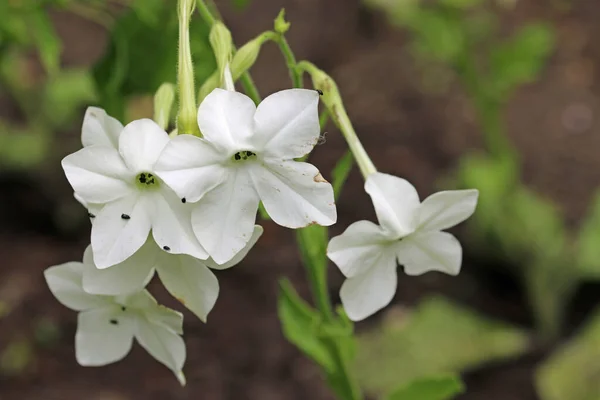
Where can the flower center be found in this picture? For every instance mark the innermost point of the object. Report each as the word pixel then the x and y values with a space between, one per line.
pixel 146 180
pixel 243 155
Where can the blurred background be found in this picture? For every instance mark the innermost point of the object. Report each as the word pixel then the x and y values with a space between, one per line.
pixel 500 95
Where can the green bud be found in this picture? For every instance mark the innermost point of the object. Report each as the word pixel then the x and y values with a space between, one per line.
pixel 186 118
pixel 281 26
pixel 222 44
pixel 246 55
pixel 163 103
pixel 208 86
pixel 330 96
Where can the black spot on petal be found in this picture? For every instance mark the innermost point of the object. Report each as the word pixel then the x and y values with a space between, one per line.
pixel 166 248
pixel 125 216
pixel 183 200
pixel 114 322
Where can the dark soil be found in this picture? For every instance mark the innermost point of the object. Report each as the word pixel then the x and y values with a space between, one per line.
pixel 241 353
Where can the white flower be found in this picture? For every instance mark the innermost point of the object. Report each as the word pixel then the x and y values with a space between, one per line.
pixel 189 280
pixel 123 194
pixel 247 154
pixel 106 325
pixel 409 234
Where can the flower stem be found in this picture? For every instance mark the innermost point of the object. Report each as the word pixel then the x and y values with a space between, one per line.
pixel 332 99
pixel 290 59
pixel 186 118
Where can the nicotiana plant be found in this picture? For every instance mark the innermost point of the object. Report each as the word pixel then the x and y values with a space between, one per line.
pixel 185 203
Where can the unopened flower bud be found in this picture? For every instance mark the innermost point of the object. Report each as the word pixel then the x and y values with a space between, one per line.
pixel 221 42
pixel 163 103
pixel 246 55
pixel 186 118
pixel 280 25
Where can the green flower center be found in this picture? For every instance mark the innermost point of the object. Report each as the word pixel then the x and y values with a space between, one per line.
pixel 243 155
pixel 146 180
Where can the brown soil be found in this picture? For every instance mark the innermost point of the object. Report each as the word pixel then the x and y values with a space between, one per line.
pixel 241 353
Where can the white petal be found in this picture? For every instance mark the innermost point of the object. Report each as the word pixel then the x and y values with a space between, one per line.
pixel 99 128
pixel 295 194
pixel 163 344
pixel 93 208
pixel 430 251
pixel 223 220
pixel 132 275
pixel 359 248
pixel 225 119
pixel 103 336
pixel 258 231
pixel 172 226
pixel 65 284
pixel 190 282
pixel 443 210
pixel 363 295
pixel 115 239
pixel 287 123
pixel 169 318
pixel 98 174
pixel 140 144
pixel 191 167
pixel 396 202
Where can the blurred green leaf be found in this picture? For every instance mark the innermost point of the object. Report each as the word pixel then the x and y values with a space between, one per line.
pixel 436 337
pixel 520 59
pixel 443 387
pixel 240 4
pixel 300 323
pixel 65 93
pixel 572 371
pixel 146 10
pixel 461 4
pixel 16 357
pixel 340 173
pixel 588 242
pixel 47 42
pixel 438 35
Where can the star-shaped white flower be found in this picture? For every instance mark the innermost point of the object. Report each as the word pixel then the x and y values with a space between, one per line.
pixel 188 279
pixel 409 234
pixel 106 325
pixel 246 155
pixel 122 192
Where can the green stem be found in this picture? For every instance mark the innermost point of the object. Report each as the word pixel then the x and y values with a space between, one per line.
pixel 290 59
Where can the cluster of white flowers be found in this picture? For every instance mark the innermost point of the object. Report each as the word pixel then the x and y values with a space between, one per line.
pixel 181 206
pixel 185 205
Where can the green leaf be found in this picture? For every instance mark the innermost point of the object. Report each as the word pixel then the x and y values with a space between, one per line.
pixel 438 337
pixel 340 173
pixel 430 388
pixel 146 10
pixel 588 242
pixel 520 59
pixel 312 241
pixel 299 323
pixel 438 35
pixel 572 371
pixel 46 40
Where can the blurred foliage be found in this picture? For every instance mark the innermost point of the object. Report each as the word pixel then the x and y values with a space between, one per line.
pixel 433 388
pixel 572 372
pixel 512 222
pixel 16 357
pixel 436 337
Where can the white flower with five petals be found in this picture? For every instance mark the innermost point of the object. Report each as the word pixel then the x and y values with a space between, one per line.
pixel 120 189
pixel 409 234
pixel 188 279
pixel 107 325
pixel 246 155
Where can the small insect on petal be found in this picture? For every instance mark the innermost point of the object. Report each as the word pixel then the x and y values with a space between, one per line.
pixel 183 200
pixel 166 248
pixel 320 92
pixel 125 216
pixel 114 322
